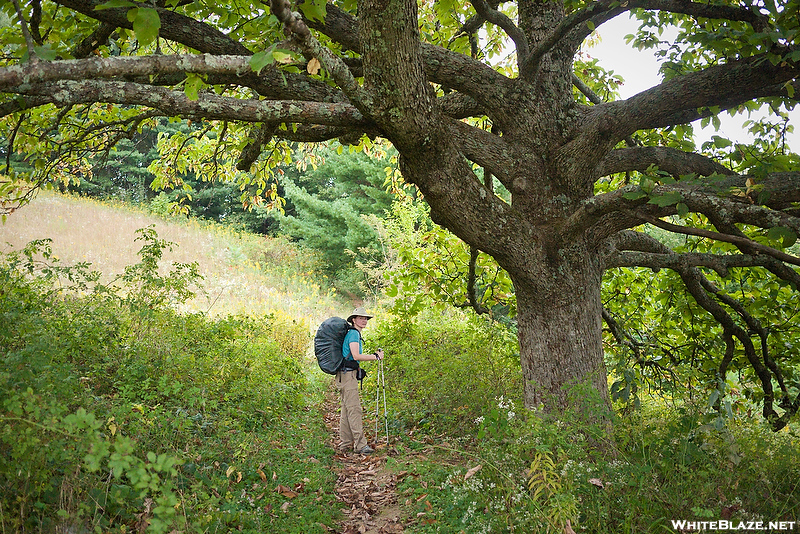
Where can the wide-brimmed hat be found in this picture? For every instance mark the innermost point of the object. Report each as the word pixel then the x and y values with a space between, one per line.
pixel 360 312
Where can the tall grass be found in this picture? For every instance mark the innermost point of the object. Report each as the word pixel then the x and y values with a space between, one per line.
pixel 243 273
pixel 127 406
pixel 120 414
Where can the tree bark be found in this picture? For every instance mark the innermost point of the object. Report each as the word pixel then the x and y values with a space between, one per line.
pixel 560 334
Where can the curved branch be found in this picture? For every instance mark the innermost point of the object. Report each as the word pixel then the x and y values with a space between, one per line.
pixel 471 279
pixel 335 66
pixel 459 72
pixel 97 39
pixel 717 236
pixel 674 100
pixel 622 337
pixel 259 136
pixel 753 324
pixel 694 282
pixel 207 106
pixel 174 27
pixel 599 12
pixel 675 162
pixel 720 263
pixel 700 288
pixel 21 103
pixel 269 83
pixel 486 12
pixel 486 149
pixel 29 43
pixel 757 203
pixel 572 22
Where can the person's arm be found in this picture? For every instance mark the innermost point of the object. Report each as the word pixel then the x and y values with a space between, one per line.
pixel 355 350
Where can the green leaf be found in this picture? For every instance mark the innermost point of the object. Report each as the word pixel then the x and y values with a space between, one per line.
pixel 788 85
pixel 45 53
pixel 634 195
pixel 683 209
pixel 260 60
pixel 314 9
pixel 192 86
pixel 647 184
pixel 667 199
pixel 785 235
pixel 721 142
pixel 146 24
pixel 282 56
pixel 113 4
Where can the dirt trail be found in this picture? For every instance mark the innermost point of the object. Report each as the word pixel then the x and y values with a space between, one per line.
pixel 365 486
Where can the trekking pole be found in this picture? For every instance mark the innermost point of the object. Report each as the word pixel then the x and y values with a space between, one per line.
pixel 381 384
pixel 377 396
pixel 385 416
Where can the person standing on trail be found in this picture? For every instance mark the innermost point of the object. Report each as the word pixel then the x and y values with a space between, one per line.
pixel 351 427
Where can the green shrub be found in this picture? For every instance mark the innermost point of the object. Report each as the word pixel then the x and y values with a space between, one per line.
pixel 443 371
pixel 536 473
pixel 116 412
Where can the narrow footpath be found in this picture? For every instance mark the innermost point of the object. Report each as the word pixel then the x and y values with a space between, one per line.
pixel 365 487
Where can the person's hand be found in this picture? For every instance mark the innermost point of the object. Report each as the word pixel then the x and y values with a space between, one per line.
pixel 379 354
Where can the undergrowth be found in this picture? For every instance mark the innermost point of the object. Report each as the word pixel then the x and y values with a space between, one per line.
pixel 118 414
pixel 473 460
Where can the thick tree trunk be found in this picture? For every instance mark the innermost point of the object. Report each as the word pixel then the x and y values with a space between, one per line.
pixel 560 336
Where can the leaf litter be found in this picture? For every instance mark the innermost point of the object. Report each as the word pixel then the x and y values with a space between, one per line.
pixel 365 487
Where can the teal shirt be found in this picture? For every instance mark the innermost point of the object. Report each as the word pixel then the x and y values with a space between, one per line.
pixel 352 335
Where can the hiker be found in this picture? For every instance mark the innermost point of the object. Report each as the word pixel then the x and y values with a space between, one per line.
pixel 351 430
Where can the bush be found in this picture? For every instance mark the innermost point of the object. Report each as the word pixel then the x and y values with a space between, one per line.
pixel 443 371
pixel 119 413
pixel 530 473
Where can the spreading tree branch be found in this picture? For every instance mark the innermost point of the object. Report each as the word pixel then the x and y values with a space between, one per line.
pixel 207 106
pixel 634 245
pixel 759 205
pixel 717 236
pixel 486 12
pixel 676 162
pixel 259 136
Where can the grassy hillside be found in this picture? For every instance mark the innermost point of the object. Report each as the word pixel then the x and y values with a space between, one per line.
pixel 121 413
pixel 243 273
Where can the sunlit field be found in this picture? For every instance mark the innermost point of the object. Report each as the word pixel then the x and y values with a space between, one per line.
pixel 243 273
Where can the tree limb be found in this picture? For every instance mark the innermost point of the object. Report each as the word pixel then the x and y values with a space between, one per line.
pixel 207 106
pixel 489 14
pixel 98 38
pixel 335 66
pixel 259 136
pixel 700 288
pixel 675 162
pixel 724 86
pixel 717 236
pixel 29 42
pixel 757 205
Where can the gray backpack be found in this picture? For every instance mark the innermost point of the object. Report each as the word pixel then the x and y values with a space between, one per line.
pixel 328 345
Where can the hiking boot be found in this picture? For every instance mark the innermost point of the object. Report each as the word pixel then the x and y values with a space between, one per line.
pixel 366 450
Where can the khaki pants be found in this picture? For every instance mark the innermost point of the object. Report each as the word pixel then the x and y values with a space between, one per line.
pixel 351 429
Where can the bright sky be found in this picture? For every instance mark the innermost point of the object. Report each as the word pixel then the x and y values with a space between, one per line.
pixel 640 72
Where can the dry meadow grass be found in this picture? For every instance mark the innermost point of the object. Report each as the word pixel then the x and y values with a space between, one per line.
pixel 242 273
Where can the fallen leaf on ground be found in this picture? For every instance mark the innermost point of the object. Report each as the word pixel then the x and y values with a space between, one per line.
pixel 472 472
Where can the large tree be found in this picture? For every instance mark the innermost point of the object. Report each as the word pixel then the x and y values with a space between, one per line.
pixel 584 175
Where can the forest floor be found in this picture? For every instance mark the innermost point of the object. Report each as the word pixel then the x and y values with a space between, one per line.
pixel 365 485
